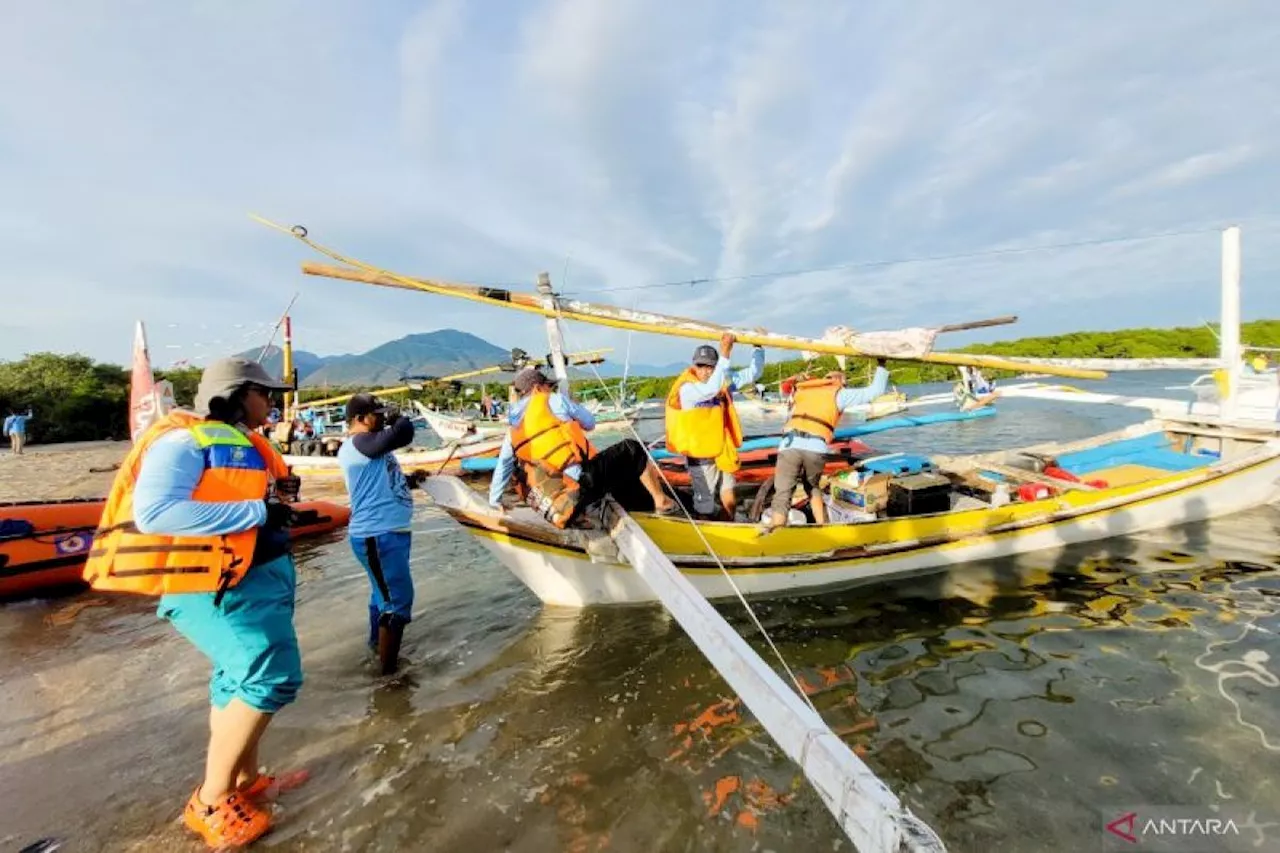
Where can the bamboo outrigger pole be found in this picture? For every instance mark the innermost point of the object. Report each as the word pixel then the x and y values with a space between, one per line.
pixel 572 359
pixel 665 324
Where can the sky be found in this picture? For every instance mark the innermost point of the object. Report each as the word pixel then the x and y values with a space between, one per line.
pixel 803 160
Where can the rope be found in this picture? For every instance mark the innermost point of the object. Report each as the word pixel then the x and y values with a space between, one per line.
pixel 710 550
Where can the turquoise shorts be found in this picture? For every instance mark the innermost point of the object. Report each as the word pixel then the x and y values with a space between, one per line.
pixel 248 637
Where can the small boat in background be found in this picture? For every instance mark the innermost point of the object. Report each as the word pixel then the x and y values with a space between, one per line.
pixel 452 427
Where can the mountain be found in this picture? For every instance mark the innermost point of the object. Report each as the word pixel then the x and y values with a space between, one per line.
pixel 305 362
pixel 430 353
pixel 439 353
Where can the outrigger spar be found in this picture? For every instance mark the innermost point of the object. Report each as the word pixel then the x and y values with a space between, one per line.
pixel 902 345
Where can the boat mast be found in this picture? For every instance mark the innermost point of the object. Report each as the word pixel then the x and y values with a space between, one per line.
pixel 554 337
pixel 288 377
pixel 1229 346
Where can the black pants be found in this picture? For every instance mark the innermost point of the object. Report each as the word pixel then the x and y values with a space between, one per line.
pixel 616 471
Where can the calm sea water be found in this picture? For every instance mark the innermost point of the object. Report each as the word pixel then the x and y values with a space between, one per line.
pixel 1013 704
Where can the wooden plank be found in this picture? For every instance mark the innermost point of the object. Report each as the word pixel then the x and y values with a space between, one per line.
pixel 1032 477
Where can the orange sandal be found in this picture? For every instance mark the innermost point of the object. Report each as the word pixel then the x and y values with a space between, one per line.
pixel 233 821
pixel 266 786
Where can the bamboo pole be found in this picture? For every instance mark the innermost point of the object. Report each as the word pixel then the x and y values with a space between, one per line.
pixel 666 324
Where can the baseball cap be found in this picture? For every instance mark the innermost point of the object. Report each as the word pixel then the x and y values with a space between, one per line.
pixel 364 404
pixel 528 378
pixel 226 376
pixel 705 356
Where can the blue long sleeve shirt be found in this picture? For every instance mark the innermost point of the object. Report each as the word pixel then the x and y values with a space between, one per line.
pixel 380 498
pixel 564 409
pixel 694 394
pixel 846 399
pixel 162 502
pixel 16 424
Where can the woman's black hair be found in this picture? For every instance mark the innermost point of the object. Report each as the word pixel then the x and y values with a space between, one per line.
pixel 229 410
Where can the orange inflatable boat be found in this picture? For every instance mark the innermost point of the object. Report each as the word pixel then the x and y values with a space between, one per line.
pixel 44 544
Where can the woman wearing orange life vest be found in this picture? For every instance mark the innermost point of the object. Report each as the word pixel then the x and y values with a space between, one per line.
pixel 702 424
pixel 563 471
pixel 195 516
pixel 818 405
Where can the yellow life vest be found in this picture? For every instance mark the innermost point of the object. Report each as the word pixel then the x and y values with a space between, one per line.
pixel 703 432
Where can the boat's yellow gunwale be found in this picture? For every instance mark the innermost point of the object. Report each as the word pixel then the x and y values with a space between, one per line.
pixel 1032 517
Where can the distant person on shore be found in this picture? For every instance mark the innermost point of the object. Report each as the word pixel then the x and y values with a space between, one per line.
pixel 199 515
pixel 818 405
pixel 15 426
pixel 381 513
pixel 561 473
pixel 703 426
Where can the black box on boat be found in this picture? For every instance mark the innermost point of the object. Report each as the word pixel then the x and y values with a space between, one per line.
pixel 918 494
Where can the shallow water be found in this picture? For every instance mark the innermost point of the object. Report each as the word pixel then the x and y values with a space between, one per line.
pixel 1012 704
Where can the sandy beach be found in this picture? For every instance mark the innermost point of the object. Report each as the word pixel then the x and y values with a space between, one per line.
pixel 85 470
pixel 59 471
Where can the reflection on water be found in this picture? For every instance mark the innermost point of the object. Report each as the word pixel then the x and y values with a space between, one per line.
pixel 1010 703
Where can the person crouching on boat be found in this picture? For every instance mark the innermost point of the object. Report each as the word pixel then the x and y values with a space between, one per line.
pixel 381 512
pixel 811 427
pixel 560 472
pixel 198 515
pixel 703 426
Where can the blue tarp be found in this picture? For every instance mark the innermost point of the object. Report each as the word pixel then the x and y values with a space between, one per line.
pixel 1153 450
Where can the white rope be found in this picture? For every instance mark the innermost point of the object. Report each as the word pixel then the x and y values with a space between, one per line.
pixel 706 544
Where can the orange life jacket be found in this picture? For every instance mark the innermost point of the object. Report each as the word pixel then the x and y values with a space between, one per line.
pixel 703 432
pixel 545 446
pixel 540 438
pixel 238 467
pixel 815 410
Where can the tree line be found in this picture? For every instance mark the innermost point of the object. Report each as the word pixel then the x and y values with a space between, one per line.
pixel 75 398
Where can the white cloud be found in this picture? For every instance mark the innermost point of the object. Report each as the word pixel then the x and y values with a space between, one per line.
pixel 642 143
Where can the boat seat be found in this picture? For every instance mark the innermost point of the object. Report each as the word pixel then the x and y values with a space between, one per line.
pixel 1153 451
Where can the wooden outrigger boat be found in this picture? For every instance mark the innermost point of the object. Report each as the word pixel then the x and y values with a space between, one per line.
pixel 1161 472
pixel 1156 474
pixel 1152 475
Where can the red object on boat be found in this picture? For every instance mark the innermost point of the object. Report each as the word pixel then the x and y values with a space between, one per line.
pixel 1060 474
pixel 43 545
pixel 1098 484
pixel 1034 492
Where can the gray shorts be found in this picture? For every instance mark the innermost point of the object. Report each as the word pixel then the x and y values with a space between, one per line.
pixel 795 466
pixel 708 483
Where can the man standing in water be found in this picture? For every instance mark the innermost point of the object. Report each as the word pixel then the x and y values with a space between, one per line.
pixel 198 514
pixel 381 512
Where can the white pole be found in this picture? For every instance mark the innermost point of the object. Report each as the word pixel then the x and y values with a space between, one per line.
pixel 554 337
pixel 1230 341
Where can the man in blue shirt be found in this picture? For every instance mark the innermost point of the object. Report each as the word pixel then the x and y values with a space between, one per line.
pixel 381 512
pixel 708 384
pixel 622 470
pixel 15 426
pixel 802 451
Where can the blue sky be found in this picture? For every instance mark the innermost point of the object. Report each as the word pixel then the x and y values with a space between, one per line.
pixel 627 143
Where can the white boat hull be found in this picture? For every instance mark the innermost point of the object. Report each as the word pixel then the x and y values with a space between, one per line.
pixel 321 466
pixel 570 578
